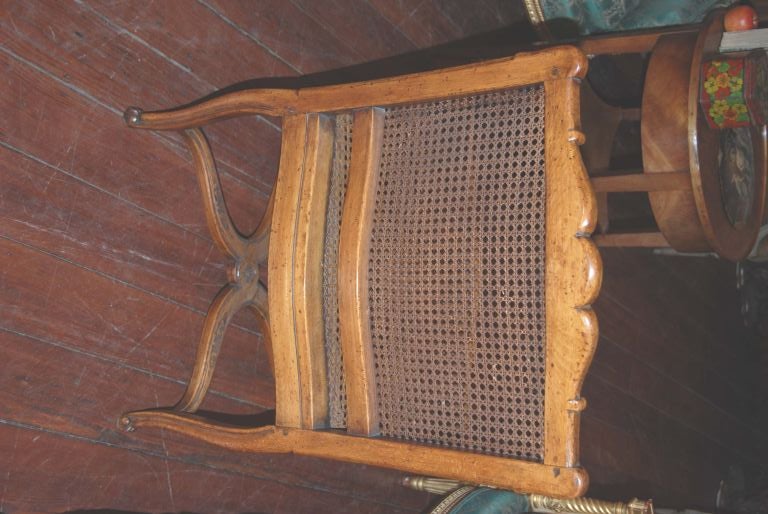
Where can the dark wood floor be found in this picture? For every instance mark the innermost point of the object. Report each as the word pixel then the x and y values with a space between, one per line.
pixel 106 270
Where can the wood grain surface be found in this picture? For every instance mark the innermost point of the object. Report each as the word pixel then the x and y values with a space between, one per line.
pixel 107 268
pixel 573 270
pixel 354 249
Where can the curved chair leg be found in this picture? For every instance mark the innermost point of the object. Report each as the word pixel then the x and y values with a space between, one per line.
pixel 226 304
pixel 250 254
pixel 261 311
pixel 223 230
pixel 247 251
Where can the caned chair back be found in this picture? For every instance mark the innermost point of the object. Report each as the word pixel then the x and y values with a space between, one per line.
pixel 430 272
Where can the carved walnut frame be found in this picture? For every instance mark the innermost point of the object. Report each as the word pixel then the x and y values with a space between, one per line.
pixel 290 239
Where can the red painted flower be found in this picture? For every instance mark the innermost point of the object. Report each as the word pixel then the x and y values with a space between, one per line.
pixel 723 92
pixel 730 114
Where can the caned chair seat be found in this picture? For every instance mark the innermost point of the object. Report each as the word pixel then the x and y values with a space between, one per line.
pixel 430 272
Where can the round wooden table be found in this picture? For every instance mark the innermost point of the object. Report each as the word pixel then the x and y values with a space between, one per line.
pixel 721 208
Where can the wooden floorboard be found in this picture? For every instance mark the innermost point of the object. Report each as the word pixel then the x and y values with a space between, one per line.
pixel 66 391
pixel 122 480
pixel 54 300
pixel 96 147
pixel 359 25
pixel 100 59
pixel 423 23
pixel 107 269
pixel 289 33
pixel 671 401
pixel 486 16
pixel 45 207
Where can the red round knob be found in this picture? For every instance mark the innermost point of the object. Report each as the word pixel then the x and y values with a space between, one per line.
pixel 740 17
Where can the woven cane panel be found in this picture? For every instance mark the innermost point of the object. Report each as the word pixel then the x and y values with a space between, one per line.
pixel 457 274
pixel 342 150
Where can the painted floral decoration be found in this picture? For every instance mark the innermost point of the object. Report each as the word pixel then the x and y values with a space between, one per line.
pixel 723 93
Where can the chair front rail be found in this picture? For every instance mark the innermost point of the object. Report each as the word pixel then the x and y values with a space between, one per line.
pixel 307 272
pixel 281 268
pixel 573 274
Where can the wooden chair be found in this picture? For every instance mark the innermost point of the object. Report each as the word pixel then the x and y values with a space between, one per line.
pixel 430 272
